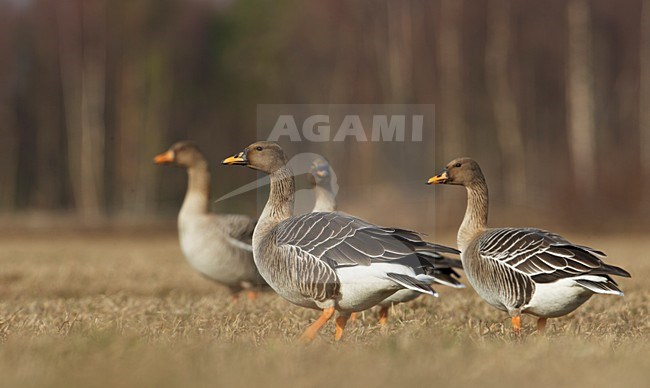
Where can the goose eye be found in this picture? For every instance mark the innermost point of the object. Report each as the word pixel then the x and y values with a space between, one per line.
pixel 258 148
pixel 457 165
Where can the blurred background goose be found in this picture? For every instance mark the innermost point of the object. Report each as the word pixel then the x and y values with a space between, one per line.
pixel 330 261
pixel 523 270
pixel 320 177
pixel 216 245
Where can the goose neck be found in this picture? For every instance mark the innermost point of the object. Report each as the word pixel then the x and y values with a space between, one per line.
pixel 476 214
pixel 279 206
pixel 198 190
pixel 325 201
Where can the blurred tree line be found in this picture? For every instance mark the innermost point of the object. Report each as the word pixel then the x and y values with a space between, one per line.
pixel 552 97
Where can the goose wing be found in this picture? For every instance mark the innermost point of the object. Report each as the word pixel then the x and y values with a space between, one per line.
pixel 238 228
pixel 340 240
pixel 544 256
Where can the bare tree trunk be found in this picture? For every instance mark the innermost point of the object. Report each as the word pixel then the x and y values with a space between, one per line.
pixel 82 53
pixel 70 67
pixel 141 125
pixel 8 158
pixel 93 103
pixel 644 96
pixel 8 119
pixel 126 138
pixel 580 93
pixel 48 181
pixel 449 109
pixel 400 55
pixel 154 126
pixel 504 102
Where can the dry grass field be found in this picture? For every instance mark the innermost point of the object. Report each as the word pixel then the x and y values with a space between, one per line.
pixel 105 310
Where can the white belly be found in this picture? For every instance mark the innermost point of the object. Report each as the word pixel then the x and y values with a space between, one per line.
pixel 557 299
pixel 363 287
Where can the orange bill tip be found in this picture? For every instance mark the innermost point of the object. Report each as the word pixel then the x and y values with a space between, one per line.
pixel 165 157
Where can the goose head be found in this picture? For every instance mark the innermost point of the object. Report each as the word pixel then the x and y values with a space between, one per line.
pixel 462 171
pixel 263 156
pixel 184 154
pixel 320 173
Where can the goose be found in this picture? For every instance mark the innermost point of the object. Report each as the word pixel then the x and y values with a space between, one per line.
pixel 523 270
pixel 320 175
pixel 320 178
pixel 216 245
pixel 330 261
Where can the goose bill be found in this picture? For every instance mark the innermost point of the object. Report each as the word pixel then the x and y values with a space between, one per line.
pixel 438 179
pixel 239 159
pixel 165 157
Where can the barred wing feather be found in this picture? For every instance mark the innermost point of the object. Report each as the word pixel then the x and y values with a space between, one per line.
pixel 543 256
pixel 342 240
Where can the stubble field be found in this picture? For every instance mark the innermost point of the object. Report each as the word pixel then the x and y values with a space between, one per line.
pixel 110 309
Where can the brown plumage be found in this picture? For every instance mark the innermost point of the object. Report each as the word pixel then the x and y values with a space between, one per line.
pixel 216 245
pixel 523 270
pixel 330 261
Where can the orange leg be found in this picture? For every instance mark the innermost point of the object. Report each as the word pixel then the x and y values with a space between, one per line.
pixel 353 317
pixel 341 320
pixel 516 324
pixel 383 315
pixel 310 333
pixel 541 325
pixel 251 295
